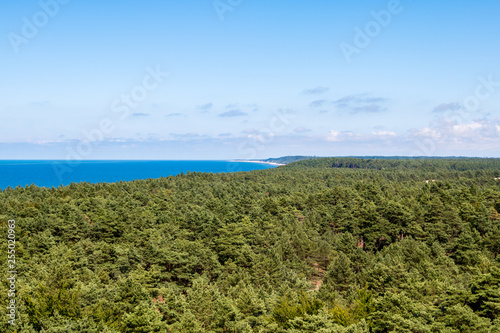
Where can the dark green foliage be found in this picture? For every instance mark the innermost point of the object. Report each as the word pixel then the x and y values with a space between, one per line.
pixel 339 274
pixel 289 159
pixel 323 245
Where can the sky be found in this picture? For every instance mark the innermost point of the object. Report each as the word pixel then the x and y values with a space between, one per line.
pixel 241 79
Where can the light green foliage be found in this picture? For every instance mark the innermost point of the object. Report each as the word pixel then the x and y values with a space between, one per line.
pixel 291 306
pixel 144 318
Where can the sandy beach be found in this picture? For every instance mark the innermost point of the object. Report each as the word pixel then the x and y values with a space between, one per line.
pixel 257 161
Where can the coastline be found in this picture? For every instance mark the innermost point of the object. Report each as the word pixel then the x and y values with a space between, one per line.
pixel 257 161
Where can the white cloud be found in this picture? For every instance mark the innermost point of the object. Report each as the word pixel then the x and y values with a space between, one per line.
pixel 428 132
pixel 384 133
pixel 480 137
pixel 333 136
pixel 350 136
pixel 466 129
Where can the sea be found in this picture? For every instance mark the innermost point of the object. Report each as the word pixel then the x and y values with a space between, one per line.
pixel 45 173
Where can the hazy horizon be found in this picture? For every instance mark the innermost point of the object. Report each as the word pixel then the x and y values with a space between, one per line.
pixel 256 159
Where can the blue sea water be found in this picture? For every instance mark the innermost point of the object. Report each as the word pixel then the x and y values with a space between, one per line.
pixel 55 173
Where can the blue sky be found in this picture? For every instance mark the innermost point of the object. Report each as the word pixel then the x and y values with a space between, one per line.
pixel 240 79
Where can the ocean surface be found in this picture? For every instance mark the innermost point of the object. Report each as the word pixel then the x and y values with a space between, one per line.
pixel 55 173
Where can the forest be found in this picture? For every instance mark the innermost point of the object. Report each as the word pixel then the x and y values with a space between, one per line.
pixel 329 245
